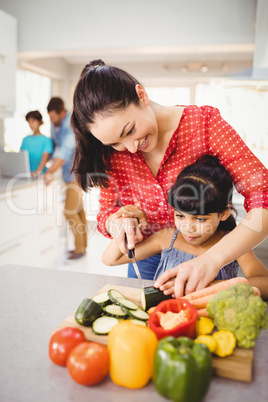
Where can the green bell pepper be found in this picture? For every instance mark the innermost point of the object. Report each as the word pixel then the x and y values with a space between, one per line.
pixel 182 369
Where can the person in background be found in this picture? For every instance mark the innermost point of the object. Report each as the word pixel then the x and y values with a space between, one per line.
pixel 134 149
pixel 38 145
pixel 64 147
pixel 202 202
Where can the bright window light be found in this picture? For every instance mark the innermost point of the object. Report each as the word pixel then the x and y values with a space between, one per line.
pixel 33 92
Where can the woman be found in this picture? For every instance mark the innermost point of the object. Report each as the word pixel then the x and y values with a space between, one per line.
pixel 134 149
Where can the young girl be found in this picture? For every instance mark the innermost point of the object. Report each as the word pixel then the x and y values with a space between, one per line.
pixel 202 202
pixel 38 145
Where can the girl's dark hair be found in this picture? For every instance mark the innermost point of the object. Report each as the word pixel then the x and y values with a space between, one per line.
pixel 34 114
pixel 202 188
pixel 101 89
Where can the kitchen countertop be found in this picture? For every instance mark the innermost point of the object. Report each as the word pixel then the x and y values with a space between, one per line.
pixel 33 301
pixel 9 183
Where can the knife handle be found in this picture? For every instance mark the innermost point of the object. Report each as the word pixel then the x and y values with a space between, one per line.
pixel 130 253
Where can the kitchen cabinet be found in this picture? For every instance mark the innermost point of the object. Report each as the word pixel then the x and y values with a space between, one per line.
pixel 8 63
pixel 31 219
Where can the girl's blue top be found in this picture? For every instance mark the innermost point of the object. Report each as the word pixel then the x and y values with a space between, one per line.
pixel 172 257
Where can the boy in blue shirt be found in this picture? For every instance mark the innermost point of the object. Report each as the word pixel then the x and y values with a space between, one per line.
pixel 38 145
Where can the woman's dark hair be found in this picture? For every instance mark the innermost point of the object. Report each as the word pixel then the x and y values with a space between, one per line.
pixel 34 114
pixel 202 188
pixel 101 89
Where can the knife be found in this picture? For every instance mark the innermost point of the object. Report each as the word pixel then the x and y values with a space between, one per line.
pixel 131 255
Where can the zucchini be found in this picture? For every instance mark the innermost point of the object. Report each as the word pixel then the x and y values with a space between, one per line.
pixel 87 312
pixel 114 294
pixel 114 310
pixel 138 314
pixel 151 296
pixel 104 324
pixel 102 299
pixel 139 322
pixel 128 304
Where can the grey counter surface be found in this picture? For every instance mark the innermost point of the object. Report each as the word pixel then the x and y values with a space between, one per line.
pixel 33 301
pixel 14 183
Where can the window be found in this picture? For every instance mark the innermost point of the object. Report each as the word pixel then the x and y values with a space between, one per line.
pixel 243 104
pixel 169 95
pixel 33 92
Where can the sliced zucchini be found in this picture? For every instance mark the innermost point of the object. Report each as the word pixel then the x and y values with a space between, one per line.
pixel 139 322
pixel 114 310
pixel 87 312
pixel 138 314
pixel 104 324
pixel 114 294
pixel 151 296
pixel 102 299
pixel 128 304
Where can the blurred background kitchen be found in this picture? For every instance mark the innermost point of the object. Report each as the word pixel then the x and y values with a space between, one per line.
pixel 184 52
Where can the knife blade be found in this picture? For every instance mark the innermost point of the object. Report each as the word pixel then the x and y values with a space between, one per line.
pixel 131 255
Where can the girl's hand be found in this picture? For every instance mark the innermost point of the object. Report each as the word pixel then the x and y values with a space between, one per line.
pixel 129 220
pixel 168 287
pixel 189 276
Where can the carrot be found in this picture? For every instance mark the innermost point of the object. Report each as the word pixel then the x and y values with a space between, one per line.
pixel 212 290
pixel 151 310
pixel 202 312
pixel 256 291
pixel 201 302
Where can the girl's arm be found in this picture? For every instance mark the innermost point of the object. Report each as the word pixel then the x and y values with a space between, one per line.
pixel 255 271
pixel 200 271
pixel 154 244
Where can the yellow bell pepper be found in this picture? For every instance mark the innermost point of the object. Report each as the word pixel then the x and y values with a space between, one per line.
pixel 207 340
pixel 226 343
pixel 204 326
pixel 131 348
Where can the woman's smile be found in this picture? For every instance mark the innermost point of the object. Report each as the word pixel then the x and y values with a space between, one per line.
pixel 144 143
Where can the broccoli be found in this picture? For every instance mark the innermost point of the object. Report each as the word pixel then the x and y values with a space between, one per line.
pixel 238 310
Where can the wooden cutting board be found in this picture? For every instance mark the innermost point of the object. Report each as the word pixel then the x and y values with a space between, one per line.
pixel 237 367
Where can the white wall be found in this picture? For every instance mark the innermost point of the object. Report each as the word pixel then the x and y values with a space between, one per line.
pixel 82 24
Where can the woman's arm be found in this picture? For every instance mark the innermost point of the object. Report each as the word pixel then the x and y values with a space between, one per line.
pixel 154 244
pixel 200 271
pixel 255 271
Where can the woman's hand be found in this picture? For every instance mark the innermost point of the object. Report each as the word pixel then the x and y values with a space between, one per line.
pixel 189 276
pixel 130 220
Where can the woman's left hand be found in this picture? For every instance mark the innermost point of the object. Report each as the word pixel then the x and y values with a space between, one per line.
pixel 189 276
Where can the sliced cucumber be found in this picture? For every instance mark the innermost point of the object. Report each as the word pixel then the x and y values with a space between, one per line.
pixel 138 314
pixel 114 310
pixel 87 312
pixel 128 304
pixel 102 299
pixel 103 325
pixel 114 294
pixel 151 296
pixel 139 322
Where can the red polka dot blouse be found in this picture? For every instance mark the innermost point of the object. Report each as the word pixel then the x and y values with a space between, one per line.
pixel 201 131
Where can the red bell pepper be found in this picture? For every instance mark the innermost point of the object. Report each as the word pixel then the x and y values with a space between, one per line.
pixel 187 328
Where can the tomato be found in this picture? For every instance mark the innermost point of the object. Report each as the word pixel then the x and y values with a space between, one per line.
pixel 62 343
pixel 88 363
